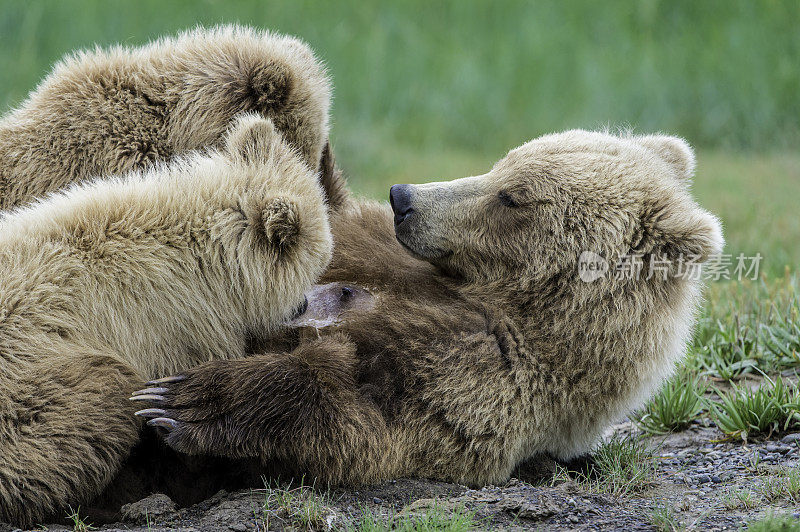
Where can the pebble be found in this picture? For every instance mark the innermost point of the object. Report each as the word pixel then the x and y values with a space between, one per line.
pixel 702 479
pixel 715 479
pixel 238 527
pixel 791 438
pixel 377 500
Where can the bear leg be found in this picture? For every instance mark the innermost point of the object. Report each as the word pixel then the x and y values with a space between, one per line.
pixel 302 408
pixel 65 427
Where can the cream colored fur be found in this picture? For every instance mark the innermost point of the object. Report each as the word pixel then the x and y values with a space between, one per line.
pixel 125 279
pixel 112 110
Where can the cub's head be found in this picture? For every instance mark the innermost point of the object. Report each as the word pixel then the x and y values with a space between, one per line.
pixel 534 214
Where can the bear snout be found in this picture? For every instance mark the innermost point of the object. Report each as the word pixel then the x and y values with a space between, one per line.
pixel 400 200
pixel 301 309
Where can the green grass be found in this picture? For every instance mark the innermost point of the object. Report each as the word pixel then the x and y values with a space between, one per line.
pixel 675 406
pixel 749 327
pixel 775 523
pixel 435 518
pixel 755 196
pixel 483 76
pixel 622 466
pixel 773 407
pixel 784 486
pixel 78 523
pixel 733 499
pixel 301 507
pixel 663 519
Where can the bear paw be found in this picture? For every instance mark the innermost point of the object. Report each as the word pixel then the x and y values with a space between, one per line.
pixel 183 412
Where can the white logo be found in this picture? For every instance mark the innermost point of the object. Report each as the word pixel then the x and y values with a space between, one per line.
pixel 591 266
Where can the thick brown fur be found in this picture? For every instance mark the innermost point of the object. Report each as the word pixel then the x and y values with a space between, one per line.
pixel 109 111
pixel 478 349
pixel 484 346
pixel 130 278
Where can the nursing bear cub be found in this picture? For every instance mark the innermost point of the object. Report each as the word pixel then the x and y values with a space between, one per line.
pixel 121 280
pixel 455 336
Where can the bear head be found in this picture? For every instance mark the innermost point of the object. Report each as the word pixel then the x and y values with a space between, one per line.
pixel 541 208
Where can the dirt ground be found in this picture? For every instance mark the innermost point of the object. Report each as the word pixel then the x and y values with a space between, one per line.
pixel 705 482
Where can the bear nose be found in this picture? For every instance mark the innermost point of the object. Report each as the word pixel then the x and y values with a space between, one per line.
pixel 400 199
pixel 299 311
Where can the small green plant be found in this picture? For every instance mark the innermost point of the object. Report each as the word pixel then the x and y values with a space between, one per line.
pixel 663 519
pixel 784 486
pixel 782 336
pixel 678 403
pixel 438 517
pixel 747 499
pixel 730 501
pixel 299 507
pixel 773 406
pixel 622 465
pixel 791 485
pixel 728 350
pixel 736 498
pixel 774 523
pixel 771 488
pixel 78 524
pixel 368 522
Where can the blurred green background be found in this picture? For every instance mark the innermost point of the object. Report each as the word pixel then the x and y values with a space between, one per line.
pixel 435 90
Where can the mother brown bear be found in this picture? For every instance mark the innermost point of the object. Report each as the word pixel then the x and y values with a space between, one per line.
pixel 457 335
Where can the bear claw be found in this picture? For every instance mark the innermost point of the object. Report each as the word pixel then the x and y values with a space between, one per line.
pixel 150 412
pixel 166 380
pixel 158 391
pixel 163 422
pixel 147 397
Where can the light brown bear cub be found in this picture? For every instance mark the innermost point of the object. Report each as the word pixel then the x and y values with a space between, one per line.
pixel 104 112
pixel 485 345
pixel 129 278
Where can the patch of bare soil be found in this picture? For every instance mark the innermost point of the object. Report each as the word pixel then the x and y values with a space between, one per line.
pixel 705 484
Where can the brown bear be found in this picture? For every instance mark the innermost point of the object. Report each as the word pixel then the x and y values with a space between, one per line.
pixel 459 334
pixel 128 278
pixel 104 112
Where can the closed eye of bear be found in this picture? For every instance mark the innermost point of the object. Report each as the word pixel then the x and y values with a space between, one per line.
pixel 474 341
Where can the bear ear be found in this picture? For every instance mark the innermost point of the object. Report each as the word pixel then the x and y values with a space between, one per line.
pixel 333 181
pixel 693 233
pixel 251 137
pixel 674 150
